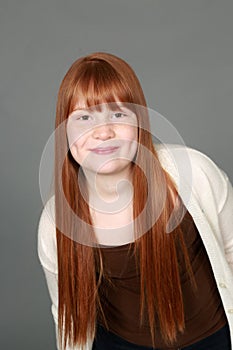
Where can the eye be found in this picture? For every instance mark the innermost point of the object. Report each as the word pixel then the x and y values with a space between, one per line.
pixel 83 117
pixel 118 115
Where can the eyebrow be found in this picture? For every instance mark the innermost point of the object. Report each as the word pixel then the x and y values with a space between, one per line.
pixel 80 109
pixel 119 105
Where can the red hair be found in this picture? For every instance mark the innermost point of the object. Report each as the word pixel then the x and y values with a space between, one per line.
pixel 104 78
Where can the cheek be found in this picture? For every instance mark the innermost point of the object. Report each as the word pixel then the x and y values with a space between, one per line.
pixel 74 153
pixel 135 134
pixel 129 132
pixel 73 136
pixel 76 140
pixel 76 147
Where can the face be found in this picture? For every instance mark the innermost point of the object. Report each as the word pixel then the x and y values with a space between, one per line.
pixel 103 141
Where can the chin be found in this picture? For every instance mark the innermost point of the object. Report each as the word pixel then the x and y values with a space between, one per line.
pixel 112 167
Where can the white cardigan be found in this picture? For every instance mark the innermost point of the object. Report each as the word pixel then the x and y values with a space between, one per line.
pixel 208 195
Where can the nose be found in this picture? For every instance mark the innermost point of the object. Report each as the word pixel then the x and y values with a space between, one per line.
pixel 103 132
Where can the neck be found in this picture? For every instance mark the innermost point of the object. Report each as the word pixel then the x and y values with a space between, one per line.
pixel 109 192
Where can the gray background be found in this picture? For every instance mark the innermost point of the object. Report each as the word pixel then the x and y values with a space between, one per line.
pixel 182 52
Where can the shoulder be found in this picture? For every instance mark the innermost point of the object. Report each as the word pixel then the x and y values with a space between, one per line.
pixel 195 156
pixel 204 173
pixel 47 251
pixel 168 153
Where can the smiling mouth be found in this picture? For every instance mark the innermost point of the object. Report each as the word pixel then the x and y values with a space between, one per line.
pixel 104 150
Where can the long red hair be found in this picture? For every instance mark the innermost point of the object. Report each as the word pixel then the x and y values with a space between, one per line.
pixel 104 78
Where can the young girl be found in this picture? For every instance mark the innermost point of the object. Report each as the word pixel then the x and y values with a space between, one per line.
pixel 132 261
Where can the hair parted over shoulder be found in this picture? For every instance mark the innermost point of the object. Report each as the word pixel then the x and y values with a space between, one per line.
pixel 95 79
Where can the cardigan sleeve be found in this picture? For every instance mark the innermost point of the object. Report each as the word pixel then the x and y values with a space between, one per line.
pixel 52 283
pixel 213 176
pixel 47 253
pixel 226 220
pixel 46 248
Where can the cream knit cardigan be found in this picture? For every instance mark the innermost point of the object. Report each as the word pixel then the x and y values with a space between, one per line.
pixel 208 196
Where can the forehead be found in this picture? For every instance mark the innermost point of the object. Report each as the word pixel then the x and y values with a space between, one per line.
pixel 105 106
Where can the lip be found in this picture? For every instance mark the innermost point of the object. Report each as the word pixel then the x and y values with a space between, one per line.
pixel 104 150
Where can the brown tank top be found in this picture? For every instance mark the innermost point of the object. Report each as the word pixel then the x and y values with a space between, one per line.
pixel 120 295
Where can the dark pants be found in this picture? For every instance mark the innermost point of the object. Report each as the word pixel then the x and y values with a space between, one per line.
pixel 105 340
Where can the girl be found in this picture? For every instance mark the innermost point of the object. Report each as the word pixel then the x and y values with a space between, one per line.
pixel 130 261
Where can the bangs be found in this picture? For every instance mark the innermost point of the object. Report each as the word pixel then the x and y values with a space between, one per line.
pixel 99 83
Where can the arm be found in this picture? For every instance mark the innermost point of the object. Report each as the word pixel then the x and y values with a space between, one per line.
pixel 51 279
pixel 222 194
pixel 47 253
pixel 226 220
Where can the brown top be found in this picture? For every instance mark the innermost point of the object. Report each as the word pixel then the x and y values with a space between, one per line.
pixel 120 297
